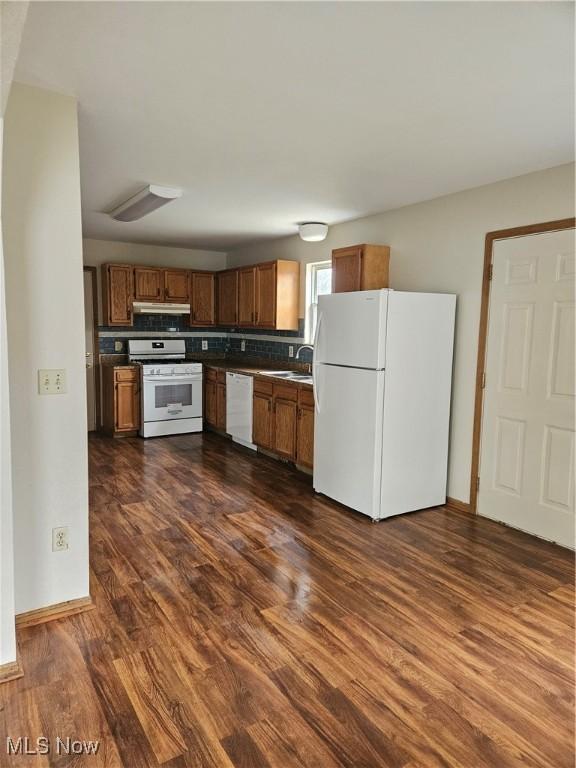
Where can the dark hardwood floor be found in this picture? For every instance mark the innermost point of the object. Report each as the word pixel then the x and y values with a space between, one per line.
pixel 242 621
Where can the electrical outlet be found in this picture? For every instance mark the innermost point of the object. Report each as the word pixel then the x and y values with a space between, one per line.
pixel 60 539
pixel 204 345
pixel 118 346
pixel 290 351
pixel 51 381
pixel 242 346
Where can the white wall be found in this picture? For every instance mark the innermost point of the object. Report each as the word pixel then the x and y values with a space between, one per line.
pixel 97 252
pixel 12 19
pixel 45 321
pixel 7 629
pixel 438 245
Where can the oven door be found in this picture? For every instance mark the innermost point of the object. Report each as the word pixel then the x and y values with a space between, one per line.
pixel 172 397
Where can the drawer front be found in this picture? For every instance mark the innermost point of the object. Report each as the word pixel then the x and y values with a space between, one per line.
pixel 126 374
pixel 263 387
pixel 286 392
pixel 221 375
pixel 211 373
pixel 306 397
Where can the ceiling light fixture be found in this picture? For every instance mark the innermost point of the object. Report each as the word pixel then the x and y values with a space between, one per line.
pixel 313 231
pixel 144 202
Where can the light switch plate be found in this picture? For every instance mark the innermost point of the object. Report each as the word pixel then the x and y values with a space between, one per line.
pixel 242 346
pixel 118 346
pixel 290 351
pixel 51 381
pixel 204 345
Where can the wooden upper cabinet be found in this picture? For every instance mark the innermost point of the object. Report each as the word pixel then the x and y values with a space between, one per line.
pixel 276 295
pixel 246 295
pixel 265 314
pixel 227 297
pixel 202 299
pixel 360 268
pixel 117 293
pixel 148 284
pixel 177 286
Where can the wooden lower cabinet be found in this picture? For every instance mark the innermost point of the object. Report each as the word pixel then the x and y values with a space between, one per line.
pixel 121 394
pixel 283 421
pixel 221 406
pixel 305 429
pixel 262 414
pixel 284 410
pixel 215 398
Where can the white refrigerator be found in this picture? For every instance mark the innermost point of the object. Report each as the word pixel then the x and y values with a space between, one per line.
pixel 382 376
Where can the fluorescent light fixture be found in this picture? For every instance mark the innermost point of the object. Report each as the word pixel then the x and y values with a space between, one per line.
pixel 313 231
pixel 144 202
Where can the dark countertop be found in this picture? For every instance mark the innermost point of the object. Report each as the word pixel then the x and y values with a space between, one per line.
pixel 254 368
pixel 248 366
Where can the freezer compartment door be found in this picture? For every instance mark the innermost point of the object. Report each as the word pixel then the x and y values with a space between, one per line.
pixel 351 329
pixel 348 436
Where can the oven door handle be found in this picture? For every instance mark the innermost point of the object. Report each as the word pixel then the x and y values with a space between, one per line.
pixel 180 379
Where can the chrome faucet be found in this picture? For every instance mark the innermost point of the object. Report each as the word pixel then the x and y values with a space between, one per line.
pixel 305 346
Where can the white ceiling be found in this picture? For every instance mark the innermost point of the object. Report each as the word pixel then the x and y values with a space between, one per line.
pixel 268 114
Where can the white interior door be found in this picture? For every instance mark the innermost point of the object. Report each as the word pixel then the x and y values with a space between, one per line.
pixel 89 332
pixel 527 447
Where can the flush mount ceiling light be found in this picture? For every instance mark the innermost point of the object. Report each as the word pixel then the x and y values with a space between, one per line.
pixel 313 231
pixel 144 202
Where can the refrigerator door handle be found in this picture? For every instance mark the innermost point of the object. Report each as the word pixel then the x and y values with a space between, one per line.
pixel 314 364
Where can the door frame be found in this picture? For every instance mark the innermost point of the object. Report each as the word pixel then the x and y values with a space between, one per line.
pixel 96 360
pixel 491 238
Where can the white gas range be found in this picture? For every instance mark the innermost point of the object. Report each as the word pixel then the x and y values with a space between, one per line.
pixel 171 387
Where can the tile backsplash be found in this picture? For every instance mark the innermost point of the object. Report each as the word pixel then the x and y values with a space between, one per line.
pixel 258 342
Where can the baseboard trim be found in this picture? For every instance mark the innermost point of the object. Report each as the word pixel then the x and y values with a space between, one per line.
pixel 52 612
pixel 458 506
pixel 11 671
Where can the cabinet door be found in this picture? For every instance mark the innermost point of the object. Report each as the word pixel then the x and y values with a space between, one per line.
pixel 221 406
pixel 246 295
pixel 228 297
pixel 305 439
pixel 202 299
pixel 346 269
pixel 148 284
pixel 177 286
pixel 210 411
pixel 262 420
pixel 266 295
pixel 118 292
pixel 127 406
pixel 285 427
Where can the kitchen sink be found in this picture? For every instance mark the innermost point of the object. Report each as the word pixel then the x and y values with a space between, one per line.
pixel 278 374
pixel 305 378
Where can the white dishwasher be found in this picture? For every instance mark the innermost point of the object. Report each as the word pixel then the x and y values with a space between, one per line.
pixel 239 408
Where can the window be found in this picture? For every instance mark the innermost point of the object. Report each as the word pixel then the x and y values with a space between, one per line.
pixel 318 283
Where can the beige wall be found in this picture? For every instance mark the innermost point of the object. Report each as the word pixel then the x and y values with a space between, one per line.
pixel 97 252
pixel 438 245
pixel 45 322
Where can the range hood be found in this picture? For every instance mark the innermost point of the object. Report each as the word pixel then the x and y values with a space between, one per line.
pixel 152 308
